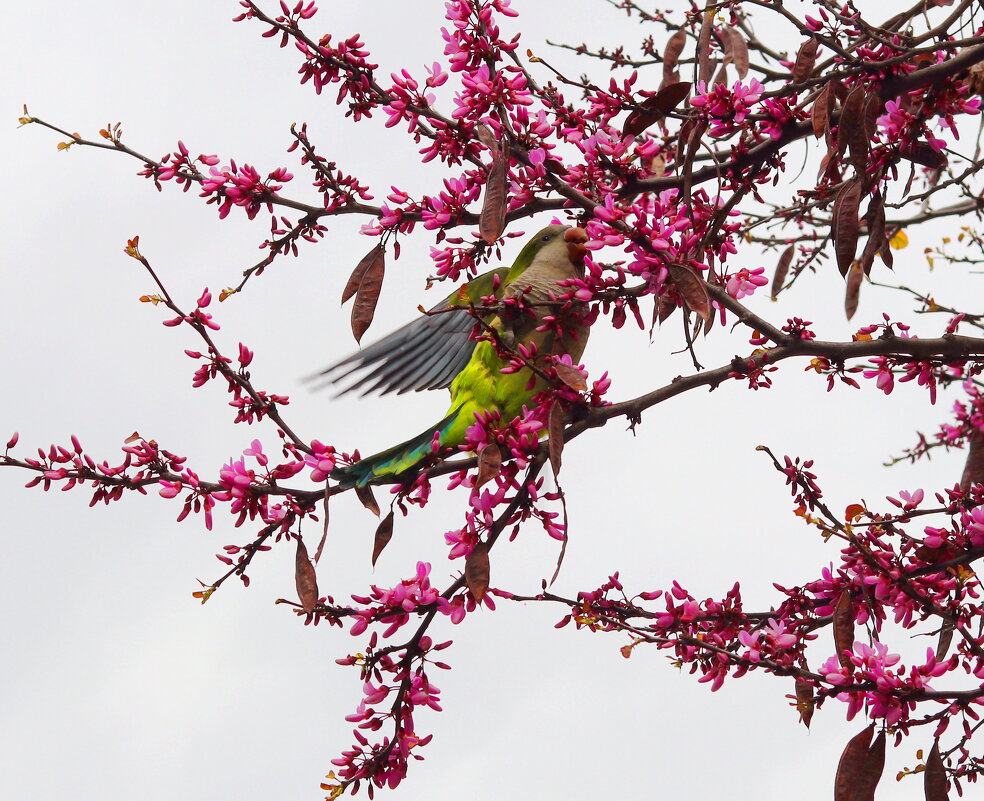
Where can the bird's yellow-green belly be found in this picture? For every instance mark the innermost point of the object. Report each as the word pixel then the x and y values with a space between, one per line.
pixel 482 387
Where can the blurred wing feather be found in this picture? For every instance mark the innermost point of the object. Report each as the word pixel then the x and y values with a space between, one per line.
pixel 424 354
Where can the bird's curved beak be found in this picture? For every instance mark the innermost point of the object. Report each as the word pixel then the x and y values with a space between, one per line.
pixel 575 239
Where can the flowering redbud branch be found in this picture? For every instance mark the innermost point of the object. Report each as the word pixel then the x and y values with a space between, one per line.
pixel 238 378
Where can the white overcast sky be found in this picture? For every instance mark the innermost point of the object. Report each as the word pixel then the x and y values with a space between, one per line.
pixel 118 684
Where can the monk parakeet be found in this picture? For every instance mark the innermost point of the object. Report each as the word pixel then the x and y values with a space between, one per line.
pixel 437 350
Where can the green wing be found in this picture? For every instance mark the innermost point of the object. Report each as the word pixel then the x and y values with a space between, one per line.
pixel 424 354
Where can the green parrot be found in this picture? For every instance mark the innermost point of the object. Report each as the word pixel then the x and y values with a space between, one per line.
pixel 437 351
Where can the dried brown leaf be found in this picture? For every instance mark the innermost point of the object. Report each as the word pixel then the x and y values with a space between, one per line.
pixel 367 296
pixel 487 138
pixel 873 108
pixel 571 376
pixel 851 765
pixel 853 292
pixel 384 533
pixel 849 124
pixel 690 287
pixel 477 571
pixel 975 78
pixel 555 429
pixel 492 221
pixel 782 268
pixel 705 66
pixel 352 285
pixel 655 108
pixel 871 770
pixel 683 139
pixel 844 629
pixel 305 579
pixel 844 224
pixel 736 48
pixel 859 130
pixel 324 529
pixel 804 701
pixel 820 114
pixel 365 496
pixel 973 472
pixel 663 308
pixel 876 232
pixel 671 53
pixel 945 640
pixel 806 59
pixel 489 463
pixel 934 782
pixel 923 154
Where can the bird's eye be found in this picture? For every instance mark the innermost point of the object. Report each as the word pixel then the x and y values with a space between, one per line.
pixel 545 238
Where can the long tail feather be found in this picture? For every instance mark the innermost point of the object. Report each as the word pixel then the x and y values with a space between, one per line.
pixel 393 461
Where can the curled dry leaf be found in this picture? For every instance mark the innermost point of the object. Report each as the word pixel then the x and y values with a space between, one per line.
pixel 820 113
pixel 945 640
pixel 885 251
pixel 873 108
pixel 489 463
pixel 923 154
pixel 324 529
pixel 690 287
pixel 384 533
pixel 782 268
pixel 853 292
pixel 851 765
pixel 804 701
pixel 806 59
pixel 352 285
pixel 555 429
pixel 871 770
pixel 663 308
pixel 669 97
pixel 705 66
pixel 844 224
pixel 975 78
pixel 305 578
pixel 849 123
pixel 736 49
pixel 487 138
pixel 477 571
pixel 365 496
pixel 973 472
pixel 671 54
pixel 844 629
pixel 855 124
pixel 876 232
pixel 367 295
pixel 683 139
pixel 571 376
pixel 934 782
pixel 654 108
pixel 492 221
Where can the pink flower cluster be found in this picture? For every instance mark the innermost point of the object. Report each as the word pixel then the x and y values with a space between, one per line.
pixel 726 108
